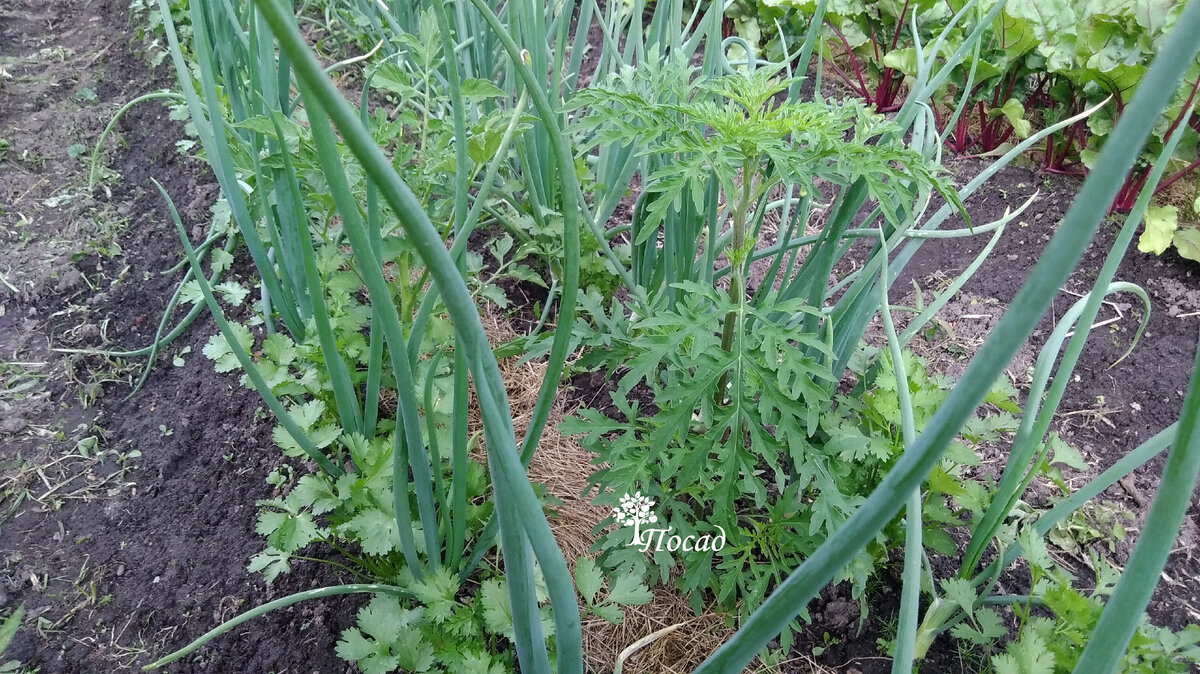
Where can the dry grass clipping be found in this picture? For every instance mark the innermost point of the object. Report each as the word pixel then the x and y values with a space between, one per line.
pixel 563 467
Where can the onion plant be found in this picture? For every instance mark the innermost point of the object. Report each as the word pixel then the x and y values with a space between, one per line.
pixel 248 59
pixel 240 74
pixel 1121 615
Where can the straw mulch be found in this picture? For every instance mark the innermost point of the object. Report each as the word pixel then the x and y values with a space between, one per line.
pixel 680 640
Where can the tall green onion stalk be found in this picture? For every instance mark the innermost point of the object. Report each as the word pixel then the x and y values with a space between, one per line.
pixel 484 40
pixel 241 75
pixel 1123 612
pixel 910 594
pixel 858 303
pixel 1029 449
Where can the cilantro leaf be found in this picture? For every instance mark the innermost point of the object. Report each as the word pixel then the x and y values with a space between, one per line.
pixel 354 646
pixel 988 628
pixel 190 293
pixel 221 260
pixel 961 592
pixel 279 348
pixel 1025 656
pixel 315 492
pixel 372 657
pixel 413 654
pixel 285 531
pixel 497 612
pixel 375 530
pixel 232 292
pixel 271 563
pixel 218 350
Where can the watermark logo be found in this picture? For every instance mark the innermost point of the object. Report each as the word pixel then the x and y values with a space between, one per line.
pixel 636 510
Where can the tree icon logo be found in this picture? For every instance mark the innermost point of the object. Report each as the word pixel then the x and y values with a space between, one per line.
pixel 635 510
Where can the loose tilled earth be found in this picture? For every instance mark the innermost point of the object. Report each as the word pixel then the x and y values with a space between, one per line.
pixel 127 523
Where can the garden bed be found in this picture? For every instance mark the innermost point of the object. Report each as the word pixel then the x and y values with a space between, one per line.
pixel 131 521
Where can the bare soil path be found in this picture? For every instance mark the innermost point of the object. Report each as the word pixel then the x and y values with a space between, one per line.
pixel 127 524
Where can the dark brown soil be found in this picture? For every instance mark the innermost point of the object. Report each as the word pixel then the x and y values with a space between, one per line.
pixel 125 560
pixel 1107 410
pixel 1156 373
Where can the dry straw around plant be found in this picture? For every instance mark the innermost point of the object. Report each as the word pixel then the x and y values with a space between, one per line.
pixel 563 467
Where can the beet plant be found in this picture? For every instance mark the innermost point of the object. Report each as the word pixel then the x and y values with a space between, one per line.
pixel 1038 64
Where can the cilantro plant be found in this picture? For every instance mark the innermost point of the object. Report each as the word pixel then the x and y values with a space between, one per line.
pixel 366 338
pixel 447 633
